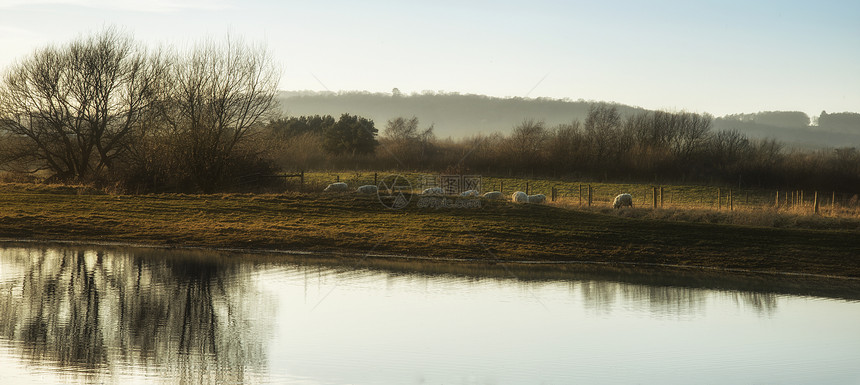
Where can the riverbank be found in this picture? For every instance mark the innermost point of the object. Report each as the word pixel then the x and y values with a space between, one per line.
pixel 360 226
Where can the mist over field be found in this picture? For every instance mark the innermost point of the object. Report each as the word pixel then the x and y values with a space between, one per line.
pixel 192 120
pixel 458 115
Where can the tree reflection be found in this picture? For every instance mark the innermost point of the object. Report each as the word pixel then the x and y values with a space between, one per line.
pixel 191 319
pixel 763 304
pixel 666 301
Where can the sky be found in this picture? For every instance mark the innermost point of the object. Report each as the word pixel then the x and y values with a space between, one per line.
pixel 720 57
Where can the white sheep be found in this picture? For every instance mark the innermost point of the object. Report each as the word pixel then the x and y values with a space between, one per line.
pixel 433 191
pixel 493 195
pixel 623 200
pixel 469 193
pixel 339 186
pixel 538 198
pixel 368 189
pixel 520 197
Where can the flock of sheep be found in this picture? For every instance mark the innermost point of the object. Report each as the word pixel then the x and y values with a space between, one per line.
pixel 621 200
pixel 519 196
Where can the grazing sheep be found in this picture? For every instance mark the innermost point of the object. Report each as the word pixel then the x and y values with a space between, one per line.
pixel 520 197
pixel 539 198
pixel 339 186
pixel 623 200
pixel 469 193
pixel 493 195
pixel 368 189
pixel 433 191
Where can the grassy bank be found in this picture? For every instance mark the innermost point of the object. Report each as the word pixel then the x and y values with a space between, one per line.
pixel 792 202
pixel 681 203
pixel 361 226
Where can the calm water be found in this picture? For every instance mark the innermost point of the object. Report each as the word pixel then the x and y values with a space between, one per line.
pixel 106 315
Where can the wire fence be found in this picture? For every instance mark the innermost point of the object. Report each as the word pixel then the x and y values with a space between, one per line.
pixel 585 194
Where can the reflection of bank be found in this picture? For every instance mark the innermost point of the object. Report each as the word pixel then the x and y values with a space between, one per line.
pixel 90 312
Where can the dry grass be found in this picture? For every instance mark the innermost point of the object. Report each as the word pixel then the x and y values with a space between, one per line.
pixel 683 203
pixel 360 225
pixel 782 218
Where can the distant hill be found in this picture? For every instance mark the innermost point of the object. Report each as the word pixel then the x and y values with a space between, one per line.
pixel 453 115
pixel 794 128
pixel 461 115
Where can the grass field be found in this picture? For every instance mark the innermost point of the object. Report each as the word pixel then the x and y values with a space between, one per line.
pixel 686 203
pixel 359 226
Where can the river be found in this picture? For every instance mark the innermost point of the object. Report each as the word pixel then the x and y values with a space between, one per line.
pixel 106 314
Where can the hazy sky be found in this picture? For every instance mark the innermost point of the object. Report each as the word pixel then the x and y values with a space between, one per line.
pixel 703 56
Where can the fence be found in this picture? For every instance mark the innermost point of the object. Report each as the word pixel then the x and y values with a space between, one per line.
pixel 712 198
pixel 688 197
pixel 644 196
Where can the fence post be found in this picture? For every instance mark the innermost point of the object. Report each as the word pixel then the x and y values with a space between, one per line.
pixel 661 197
pixel 502 187
pixel 815 204
pixel 589 195
pixel 580 195
pixel 527 187
pixel 777 200
pixel 553 194
pixel 801 198
pixel 731 201
pixel 654 197
pixel 719 199
pixel 337 177
pixel 375 179
pixel 833 203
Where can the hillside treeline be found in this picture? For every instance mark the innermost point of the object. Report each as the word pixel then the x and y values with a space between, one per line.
pixel 649 146
pixel 458 115
pixel 453 114
pixel 847 122
pixel 796 128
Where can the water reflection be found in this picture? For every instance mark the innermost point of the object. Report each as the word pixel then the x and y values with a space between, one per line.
pixel 666 301
pixel 88 313
pixel 99 315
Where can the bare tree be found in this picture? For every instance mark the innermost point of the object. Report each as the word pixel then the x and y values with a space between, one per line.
pixel 406 142
pixel 526 145
pixel 222 91
pixel 528 139
pixel 400 128
pixel 78 105
pixel 690 134
pixel 566 145
pixel 728 149
pixel 602 128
